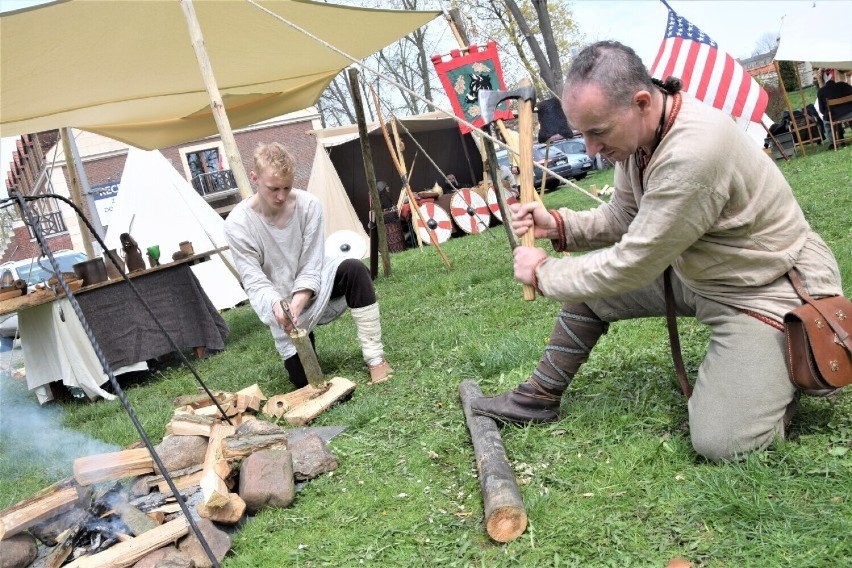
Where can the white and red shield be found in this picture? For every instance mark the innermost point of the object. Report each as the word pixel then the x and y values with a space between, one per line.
pixel 469 211
pixel 434 223
pixel 494 206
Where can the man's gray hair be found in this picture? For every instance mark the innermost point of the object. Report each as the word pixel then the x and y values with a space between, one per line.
pixel 612 66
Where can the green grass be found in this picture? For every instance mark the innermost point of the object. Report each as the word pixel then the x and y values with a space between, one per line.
pixel 614 483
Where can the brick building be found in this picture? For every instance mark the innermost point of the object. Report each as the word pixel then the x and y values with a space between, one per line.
pixel 202 162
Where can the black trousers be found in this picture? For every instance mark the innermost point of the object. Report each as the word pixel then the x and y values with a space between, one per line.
pixel 352 280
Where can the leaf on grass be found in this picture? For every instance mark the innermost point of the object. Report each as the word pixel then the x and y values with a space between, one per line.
pixel 837 452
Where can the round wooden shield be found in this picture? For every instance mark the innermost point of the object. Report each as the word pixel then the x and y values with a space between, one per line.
pixel 494 206
pixel 346 243
pixel 469 211
pixel 434 223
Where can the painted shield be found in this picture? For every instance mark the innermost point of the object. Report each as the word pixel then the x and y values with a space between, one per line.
pixel 434 223
pixel 494 206
pixel 469 211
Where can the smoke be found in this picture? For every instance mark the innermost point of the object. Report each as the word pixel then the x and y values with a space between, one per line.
pixel 33 437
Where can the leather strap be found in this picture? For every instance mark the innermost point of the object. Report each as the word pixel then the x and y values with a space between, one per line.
pixel 674 338
pixel 831 319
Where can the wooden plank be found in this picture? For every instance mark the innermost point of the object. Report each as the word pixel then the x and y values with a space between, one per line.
pixel 128 553
pixel 25 514
pixel 115 465
pixel 307 411
pixel 505 516
pixel 190 425
pixel 181 482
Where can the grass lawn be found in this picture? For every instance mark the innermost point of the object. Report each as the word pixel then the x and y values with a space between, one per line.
pixel 614 483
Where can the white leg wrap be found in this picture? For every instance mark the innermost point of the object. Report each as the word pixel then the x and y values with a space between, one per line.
pixel 369 329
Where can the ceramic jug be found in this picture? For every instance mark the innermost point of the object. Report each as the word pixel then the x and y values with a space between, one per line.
pixel 132 254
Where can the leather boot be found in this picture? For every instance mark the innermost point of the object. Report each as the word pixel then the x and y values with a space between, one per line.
pixel 576 332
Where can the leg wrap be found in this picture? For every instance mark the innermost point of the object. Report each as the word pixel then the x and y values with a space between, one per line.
pixel 369 329
pixel 576 332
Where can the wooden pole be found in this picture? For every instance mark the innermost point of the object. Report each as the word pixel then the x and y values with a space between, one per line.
pixel 777 144
pixel 76 189
pixel 505 516
pixel 369 172
pixel 789 108
pixel 232 152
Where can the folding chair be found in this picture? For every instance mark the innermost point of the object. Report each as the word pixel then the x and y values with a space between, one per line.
pixel 838 117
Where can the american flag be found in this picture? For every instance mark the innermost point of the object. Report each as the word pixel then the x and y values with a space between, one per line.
pixel 707 72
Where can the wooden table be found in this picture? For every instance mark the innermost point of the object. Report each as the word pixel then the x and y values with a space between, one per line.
pixel 56 347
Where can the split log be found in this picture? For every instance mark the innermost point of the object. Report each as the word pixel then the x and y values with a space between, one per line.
pixel 239 446
pixel 279 404
pixel 212 411
pixel 156 480
pixel 64 545
pixel 250 398
pixel 190 425
pixel 45 505
pixel 115 465
pixel 213 489
pixel 137 521
pixel 201 399
pixel 181 482
pixel 305 412
pixel 230 514
pixel 505 516
pixel 128 553
pixel 158 516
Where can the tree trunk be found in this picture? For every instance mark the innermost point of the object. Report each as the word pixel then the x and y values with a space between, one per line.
pixel 540 57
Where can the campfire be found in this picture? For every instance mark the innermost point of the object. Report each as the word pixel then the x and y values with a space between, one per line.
pixel 118 508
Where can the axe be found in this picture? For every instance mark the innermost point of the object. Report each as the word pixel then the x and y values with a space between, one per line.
pixel 488 101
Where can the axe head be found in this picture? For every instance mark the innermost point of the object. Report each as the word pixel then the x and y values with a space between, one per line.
pixel 488 100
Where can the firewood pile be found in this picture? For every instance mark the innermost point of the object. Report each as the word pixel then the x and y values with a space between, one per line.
pixel 118 510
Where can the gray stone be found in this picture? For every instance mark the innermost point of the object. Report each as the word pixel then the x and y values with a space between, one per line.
pixel 311 457
pixel 217 539
pixel 140 487
pixel 179 452
pixel 150 560
pixel 266 480
pixel 18 551
pixel 166 557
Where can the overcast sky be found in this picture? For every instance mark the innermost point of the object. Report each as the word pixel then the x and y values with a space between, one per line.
pixel 735 25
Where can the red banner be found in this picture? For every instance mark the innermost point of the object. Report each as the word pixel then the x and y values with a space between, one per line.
pixel 463 76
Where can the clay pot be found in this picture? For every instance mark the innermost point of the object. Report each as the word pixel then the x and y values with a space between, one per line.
pixel 91 271
pixel 186 247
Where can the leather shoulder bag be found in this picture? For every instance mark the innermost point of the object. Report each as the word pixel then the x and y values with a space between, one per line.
pixel 819 346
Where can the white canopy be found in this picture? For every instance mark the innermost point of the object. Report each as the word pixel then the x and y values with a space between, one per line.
pixel 821 34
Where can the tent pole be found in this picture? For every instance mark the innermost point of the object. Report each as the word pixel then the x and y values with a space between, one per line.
pixel 789 108
pixel 370 173
pixel 78 181
pixel 216 105
pixel 775 140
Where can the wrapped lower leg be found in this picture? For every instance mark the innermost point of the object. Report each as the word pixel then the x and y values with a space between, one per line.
pixel 369 329
pixel 576 331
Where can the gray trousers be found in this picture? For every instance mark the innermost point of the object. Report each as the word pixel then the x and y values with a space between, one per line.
pixel 742 389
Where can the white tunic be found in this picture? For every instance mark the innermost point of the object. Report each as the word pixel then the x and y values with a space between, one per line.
pixel 274 262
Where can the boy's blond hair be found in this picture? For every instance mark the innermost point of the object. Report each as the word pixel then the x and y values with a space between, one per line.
pixel 274 157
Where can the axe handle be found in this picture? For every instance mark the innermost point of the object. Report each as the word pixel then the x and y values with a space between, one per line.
pixel 525 115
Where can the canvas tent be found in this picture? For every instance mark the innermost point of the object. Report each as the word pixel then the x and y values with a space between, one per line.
pixel 127 70
pixel 157 206
pixel 437 133
pixel 819 34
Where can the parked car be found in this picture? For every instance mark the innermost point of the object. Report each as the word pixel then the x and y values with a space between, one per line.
pixel 569 166
pixel 33 271
pixel 575 149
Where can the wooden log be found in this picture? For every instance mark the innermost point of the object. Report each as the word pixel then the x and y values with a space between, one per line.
pixel 157 516
pixel 45 505
pixel 64 545
pixel 155 480
pixel 279 404
pixel 115 465
pixel 213 489
pixel 128 553
pixel 307 411
pixel 505 516
pixel 181 482
pixel 137 521
pixel 229 514
pixel 190 425
pixel 240 446
pixel 250 398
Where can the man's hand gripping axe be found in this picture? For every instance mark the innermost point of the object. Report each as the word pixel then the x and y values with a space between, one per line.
pixel 488 101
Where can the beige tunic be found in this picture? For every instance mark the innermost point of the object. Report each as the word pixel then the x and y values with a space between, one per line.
pixel 714 207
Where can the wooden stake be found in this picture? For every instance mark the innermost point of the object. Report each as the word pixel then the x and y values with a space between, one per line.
pixel 789 109
pixel 525 116
pixel 505 516
pixel 128 553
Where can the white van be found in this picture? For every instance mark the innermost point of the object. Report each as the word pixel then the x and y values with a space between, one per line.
pixel 37 270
